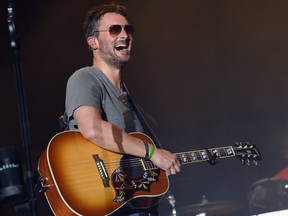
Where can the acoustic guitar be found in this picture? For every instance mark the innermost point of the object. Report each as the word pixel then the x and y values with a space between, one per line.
pixel 80 178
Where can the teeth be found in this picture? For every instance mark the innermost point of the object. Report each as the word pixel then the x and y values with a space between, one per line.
pixel 121 45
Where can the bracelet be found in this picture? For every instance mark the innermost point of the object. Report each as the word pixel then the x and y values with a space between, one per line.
pixel 146 149
pixel 151 151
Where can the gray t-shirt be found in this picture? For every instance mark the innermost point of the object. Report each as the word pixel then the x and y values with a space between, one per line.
pixel 88 86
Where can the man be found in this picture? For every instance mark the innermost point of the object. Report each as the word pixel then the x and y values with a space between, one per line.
pixel 97 103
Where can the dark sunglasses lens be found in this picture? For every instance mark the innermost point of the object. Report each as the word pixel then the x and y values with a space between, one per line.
pixel 129 29
pixel 115 30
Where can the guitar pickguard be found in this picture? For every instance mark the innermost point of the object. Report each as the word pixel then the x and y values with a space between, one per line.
pixel 126 186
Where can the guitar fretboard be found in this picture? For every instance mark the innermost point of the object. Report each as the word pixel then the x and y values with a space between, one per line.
pixel 198 156
pixel 205 154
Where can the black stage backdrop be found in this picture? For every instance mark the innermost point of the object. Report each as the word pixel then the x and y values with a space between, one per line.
pixel 208 73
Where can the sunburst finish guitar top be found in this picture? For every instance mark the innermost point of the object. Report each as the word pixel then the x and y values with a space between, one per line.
pixel 84 179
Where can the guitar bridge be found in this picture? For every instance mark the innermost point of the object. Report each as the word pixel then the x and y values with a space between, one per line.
pixel 102 170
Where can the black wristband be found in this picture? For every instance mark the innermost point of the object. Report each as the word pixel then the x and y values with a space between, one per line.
pixel 146 149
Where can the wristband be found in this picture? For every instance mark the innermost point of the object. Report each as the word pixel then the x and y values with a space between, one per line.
pixel 151 151
pixel 146 149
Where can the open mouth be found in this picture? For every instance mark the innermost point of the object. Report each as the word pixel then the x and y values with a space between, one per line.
pixel 121 46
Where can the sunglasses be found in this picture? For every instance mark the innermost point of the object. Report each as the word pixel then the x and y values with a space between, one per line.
pixel 115 30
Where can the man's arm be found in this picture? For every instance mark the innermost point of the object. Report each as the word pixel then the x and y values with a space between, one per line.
pixel 110 137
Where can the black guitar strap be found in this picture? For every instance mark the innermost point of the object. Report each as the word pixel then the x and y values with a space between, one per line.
pixel 143 121
pixel 152 135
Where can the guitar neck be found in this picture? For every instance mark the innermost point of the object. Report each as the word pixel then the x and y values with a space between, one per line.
pixel 198 156
pixel 205 154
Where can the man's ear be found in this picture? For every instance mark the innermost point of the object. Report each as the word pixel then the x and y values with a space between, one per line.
pixel 92 42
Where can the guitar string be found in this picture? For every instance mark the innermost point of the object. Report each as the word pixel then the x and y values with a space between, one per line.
pixel 137 161
pixel 125 163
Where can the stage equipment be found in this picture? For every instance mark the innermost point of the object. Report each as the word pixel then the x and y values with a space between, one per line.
pixel 23 115
pixel 268 195
pixel 172 201
pixel 275 213
pixel 12 189
pixel 206 208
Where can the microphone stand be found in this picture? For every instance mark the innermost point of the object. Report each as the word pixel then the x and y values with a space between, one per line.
pixel 172 201
pixel 22 105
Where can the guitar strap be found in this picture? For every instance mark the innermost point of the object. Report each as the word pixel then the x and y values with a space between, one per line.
pixel 152 135
pixel 142 120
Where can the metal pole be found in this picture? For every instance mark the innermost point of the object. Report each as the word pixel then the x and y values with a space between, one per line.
pixel 21 105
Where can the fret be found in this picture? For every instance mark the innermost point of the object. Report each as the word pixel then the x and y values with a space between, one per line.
pixel 184 158
pixel 189 157
pixel 223 152
pixel 230 151
pixel 215 152
pixel 148 165
pixel 204 155
pixel 193 156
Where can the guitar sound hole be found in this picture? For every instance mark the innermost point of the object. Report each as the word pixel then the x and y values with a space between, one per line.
pixel 131 166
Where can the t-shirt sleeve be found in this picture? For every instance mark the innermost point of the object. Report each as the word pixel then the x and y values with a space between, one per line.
pixel 82 89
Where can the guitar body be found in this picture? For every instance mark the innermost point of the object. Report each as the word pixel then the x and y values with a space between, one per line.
pixel 81 178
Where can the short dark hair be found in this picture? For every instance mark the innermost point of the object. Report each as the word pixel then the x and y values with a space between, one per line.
pixel 95 14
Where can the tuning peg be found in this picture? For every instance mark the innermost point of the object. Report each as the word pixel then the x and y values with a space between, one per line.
pixel 243 145
pixel 248 162
pixel 237 144
pixel 255 162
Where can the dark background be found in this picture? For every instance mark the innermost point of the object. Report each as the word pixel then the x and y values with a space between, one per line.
pixel 209 73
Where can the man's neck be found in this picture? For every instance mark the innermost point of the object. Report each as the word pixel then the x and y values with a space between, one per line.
pixel 113 74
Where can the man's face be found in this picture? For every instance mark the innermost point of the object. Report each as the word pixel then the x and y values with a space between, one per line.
pixel 114 49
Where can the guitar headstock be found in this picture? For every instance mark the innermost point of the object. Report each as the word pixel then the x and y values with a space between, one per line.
pixel 247 153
